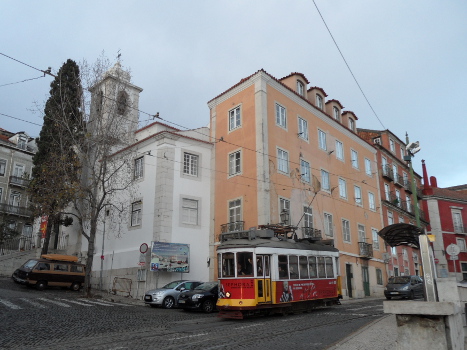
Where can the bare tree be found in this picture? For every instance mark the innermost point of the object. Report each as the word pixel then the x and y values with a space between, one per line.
pixel 101 177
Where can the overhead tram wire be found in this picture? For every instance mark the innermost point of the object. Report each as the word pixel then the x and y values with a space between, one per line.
pixel 40 70
pixel 22 81
pixel 350 70
pixel 26 121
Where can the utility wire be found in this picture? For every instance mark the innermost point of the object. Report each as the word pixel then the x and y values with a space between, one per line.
pixel 350 70
pixel 26 121
pixel 22 81
pixel 40 70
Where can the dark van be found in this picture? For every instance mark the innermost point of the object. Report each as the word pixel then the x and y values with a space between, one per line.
pixel 404 286
pixel 51 270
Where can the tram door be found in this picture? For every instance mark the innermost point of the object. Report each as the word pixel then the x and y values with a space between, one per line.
pixel 263 273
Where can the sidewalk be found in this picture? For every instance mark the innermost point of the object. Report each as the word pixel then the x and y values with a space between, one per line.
pixel 378 335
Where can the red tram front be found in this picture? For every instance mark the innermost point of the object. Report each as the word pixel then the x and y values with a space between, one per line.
pixel 261 272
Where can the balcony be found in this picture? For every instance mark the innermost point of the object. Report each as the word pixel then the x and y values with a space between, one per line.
pixel 19 181
pixel 398 180
pixel 311 233
pixel 460 229
pixel 394 200
pixel 232 226
pixel 14 210
pixel 387 172
pixel 365 250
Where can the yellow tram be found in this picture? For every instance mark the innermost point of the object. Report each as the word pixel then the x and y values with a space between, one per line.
pixel 262 272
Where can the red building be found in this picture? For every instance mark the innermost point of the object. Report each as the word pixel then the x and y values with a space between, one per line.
pixel 447 213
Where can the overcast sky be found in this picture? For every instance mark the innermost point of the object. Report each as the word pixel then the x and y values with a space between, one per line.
pixel 409 58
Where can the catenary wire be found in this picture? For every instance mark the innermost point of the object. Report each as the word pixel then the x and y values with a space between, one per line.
pixel 345 61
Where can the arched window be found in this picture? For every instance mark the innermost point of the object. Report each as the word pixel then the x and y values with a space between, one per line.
pixel 122 102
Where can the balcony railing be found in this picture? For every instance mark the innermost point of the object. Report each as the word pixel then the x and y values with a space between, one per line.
pixel 366 250
pixel 460 229
pixel 398 180
pixel 394 200
pixel 387 172
pixel 19 181
pixel 311 233
pixel 419 192
pixel 11 209
pixel 232 226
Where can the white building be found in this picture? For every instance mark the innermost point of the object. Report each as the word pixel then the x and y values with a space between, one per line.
pixel 169 203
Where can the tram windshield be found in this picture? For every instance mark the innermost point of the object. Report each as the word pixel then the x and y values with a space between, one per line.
pixel 245 264
pixel 228 265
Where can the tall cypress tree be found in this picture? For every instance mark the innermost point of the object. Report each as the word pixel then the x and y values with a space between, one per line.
pixel 56 165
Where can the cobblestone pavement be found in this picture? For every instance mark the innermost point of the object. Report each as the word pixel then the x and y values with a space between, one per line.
pixel 62 319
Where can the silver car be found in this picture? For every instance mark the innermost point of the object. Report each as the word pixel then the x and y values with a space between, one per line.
pixel 167 296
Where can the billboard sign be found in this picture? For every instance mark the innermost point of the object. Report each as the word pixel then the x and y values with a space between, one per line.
pixel 170 257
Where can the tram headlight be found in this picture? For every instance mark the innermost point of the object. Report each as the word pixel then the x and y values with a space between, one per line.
pixel 196 296
pixel 227 294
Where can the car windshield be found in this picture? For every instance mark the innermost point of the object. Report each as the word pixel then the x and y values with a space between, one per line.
pixel 399 280
pixel 30 264
pixel 171 285
pixel 206 286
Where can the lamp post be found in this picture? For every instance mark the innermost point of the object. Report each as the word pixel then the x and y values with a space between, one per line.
pixel 425 252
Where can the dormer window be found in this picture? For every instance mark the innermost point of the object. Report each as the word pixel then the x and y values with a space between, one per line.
pixel 300 88
pixel 337 114
pixel 22 141
pixel 351 124
pixel 319 101
pixel 392 145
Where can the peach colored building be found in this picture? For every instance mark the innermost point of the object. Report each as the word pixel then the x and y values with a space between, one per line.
pixel 280 147
pixel 397 200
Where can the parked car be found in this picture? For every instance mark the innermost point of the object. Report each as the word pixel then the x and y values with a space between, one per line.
pixel 51 270
pixel 167 296
pixel 203 297
pixel 404 286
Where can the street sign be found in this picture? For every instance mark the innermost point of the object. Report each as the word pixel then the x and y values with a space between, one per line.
pixel 453 250
pixel 436 261
pixel 141 263
pixel 454 257
pixel 143 248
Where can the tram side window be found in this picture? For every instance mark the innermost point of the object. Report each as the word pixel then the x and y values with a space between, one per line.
pixel 245 264
pixel 329 270
pixel 312 266
pixel 293 266
pixel 303 267
pixel 228 265
pixel 283 267
pixel 321 267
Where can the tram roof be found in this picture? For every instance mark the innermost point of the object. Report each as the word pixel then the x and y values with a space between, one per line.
pixel 275 242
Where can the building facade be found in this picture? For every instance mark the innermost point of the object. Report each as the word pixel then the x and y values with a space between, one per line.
pixel 16 152
pixel 447 212
pixel 280 147
pixel 167 203
pixel 397 200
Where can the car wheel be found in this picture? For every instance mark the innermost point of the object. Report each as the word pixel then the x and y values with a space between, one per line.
pixel 168 303
pixel 75 286
pixel 208 306
pixel 388 298
pixel 41 285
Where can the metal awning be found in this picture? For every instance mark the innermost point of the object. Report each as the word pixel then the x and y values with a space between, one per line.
pixel 401 234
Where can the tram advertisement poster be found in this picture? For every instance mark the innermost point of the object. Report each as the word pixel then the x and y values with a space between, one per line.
pixel 239 288
pixel 288 291
pixel 170 257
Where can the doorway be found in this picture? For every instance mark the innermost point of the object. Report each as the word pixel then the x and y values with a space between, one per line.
pixel 349 276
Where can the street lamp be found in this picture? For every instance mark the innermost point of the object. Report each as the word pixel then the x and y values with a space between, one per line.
pixel 285 216
pixel 425 252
